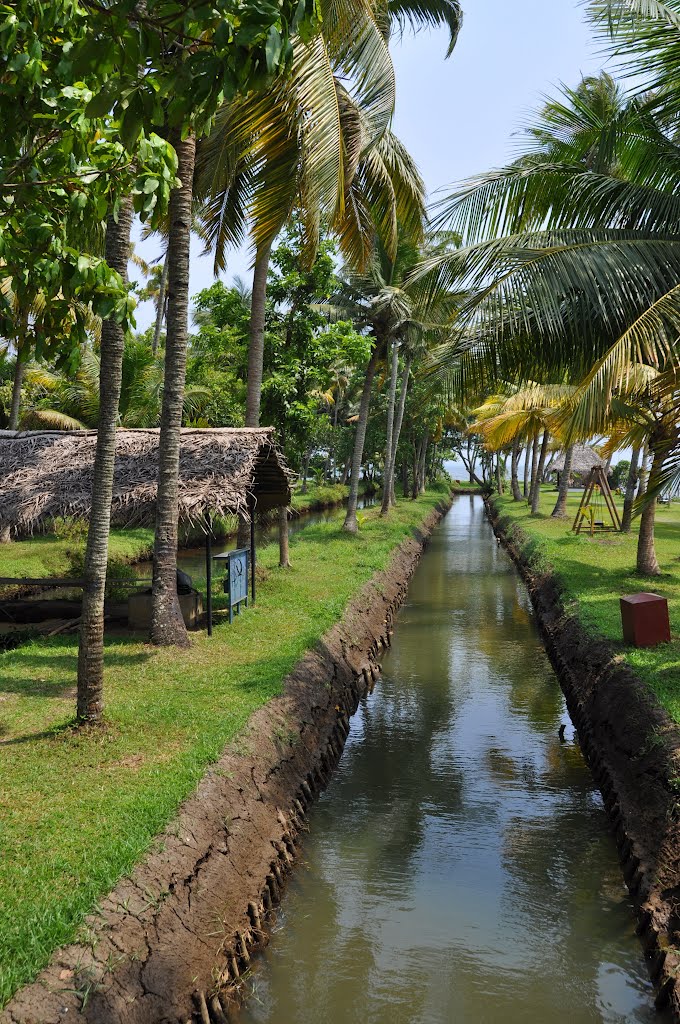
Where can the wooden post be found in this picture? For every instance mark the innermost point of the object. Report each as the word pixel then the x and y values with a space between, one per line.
pixel 208 576
pixel 251 503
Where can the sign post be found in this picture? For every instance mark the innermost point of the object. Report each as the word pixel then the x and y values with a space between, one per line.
pixel 236 578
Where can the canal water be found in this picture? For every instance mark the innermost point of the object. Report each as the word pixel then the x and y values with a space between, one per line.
pixel 459 868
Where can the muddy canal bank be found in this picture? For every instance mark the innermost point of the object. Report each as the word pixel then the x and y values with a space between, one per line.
pixel 188 921
pixel 633 750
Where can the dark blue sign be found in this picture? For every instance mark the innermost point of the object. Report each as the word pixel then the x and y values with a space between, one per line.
pixel 236 578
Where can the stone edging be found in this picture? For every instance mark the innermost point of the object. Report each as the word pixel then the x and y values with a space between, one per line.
pixel 633 750
pixel 187 921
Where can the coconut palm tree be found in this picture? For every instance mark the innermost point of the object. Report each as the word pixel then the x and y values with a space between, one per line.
pixel 319 142
pixel 523 413
pixel 379 303
pixel 91 637
pixel 585 276
pixel 65 401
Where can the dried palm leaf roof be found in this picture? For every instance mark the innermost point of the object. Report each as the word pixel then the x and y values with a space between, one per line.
pixel 583 460
pixel 45 473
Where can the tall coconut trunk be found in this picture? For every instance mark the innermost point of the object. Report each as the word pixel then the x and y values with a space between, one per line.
pixel 390 449
pixel 419 452
pixel 629 497
pixel 167 624
pixel 534 465
pixel 160 307
pixel 647 562
pixel 18 381
pixel 284 557
pixel 394 421
pixel 536 492
pixel 351 524
pixel 514 465
pixel 404 477
pixel 334 431
pixel 499 478
pixel 90 700
pixel 527 468
pixel 256 335
pixel 560 509
pixel 644 471
pixel 398 425
pixel 258 306
pixel 423 462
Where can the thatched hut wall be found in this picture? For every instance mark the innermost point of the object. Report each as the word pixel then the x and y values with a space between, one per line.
pixel 45 474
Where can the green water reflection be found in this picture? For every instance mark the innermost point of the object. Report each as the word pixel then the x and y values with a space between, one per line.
pixel 459 868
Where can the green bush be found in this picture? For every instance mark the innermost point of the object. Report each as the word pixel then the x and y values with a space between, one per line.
pixel 69 528
pixel 120 575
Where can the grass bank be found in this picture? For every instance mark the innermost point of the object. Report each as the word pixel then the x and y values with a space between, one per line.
pixel 79 809
pixel 49 555
pixel 595 572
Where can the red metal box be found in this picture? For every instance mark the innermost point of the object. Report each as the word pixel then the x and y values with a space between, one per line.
pixel 645 620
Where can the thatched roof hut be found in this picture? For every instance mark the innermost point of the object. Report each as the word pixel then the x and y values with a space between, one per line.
pixel 44 474
pixel 584 459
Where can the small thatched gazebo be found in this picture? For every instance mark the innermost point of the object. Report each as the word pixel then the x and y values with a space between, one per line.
pixel 45 474
pixel 584 459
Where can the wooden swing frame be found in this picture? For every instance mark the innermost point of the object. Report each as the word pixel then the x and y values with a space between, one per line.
pixel 586 514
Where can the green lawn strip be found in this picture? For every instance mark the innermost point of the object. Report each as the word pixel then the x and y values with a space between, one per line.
pixel 595 572
pixel 321 495
pixel 77 811
pixel 47 555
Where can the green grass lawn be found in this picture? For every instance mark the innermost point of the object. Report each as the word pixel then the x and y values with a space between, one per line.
pixel 596 571
pixel 47 555
pixel 78 810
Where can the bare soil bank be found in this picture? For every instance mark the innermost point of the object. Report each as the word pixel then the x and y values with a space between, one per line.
pixel 172 941
pixel 633 750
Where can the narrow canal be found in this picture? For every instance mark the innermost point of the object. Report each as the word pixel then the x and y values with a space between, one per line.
pixel 458 870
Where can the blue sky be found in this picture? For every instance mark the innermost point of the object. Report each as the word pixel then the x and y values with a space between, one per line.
pixel 457 116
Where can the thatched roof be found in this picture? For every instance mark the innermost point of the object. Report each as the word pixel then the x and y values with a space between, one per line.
pixel 44 474
pixel 583 460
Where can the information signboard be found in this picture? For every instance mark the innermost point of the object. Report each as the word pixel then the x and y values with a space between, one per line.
pixel 236 578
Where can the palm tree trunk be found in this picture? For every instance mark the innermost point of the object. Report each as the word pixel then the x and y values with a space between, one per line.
pixel 499 479
pixel 534 466
pixel 404 476
pixel 160 308
pixel 334 431
pixel 284 558
pixel 351 524
pixel 644 471
pixel 167 624
pixel 419 454
pixel 90 701
pixel 536 492
pixel 258 306
pixel 393 428
pixel 17 384
pixel 647 562
pixel 423 463
pixel 389 443
pixel 514 463
pixel 527 466
pixel 629 497
pixel 560 509
pixel 256 340
pixel 397 427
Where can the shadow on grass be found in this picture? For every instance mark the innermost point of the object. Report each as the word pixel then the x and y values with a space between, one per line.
pixel 47 734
